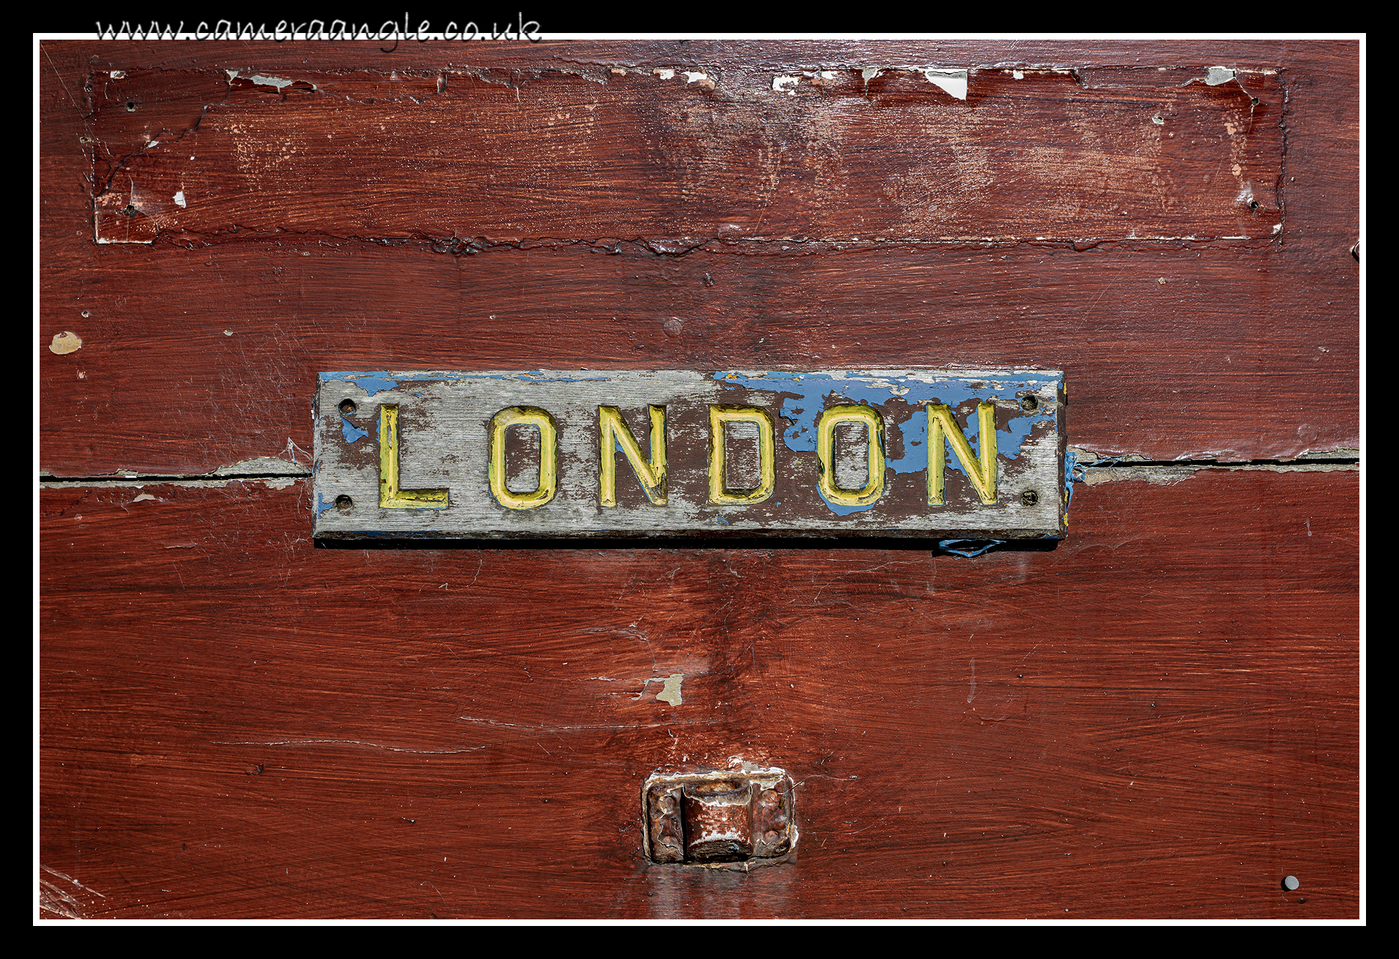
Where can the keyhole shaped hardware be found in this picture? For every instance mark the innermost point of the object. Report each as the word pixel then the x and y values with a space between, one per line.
pixel 719 817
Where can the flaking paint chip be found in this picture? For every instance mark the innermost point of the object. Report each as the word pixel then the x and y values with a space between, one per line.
pixel 671 692
pixel 1214 76
pixel 66 342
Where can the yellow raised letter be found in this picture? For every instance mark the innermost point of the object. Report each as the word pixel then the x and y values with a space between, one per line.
pixel 719 491
pixel 613 435
pixel 825 454
pixel 390 496
pixel 981 474
pixel 548 457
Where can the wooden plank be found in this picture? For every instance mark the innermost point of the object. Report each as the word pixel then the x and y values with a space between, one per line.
pixel 1243 360
pixel 1249 339
pixel 1001 153
pixel 1157 718
pixel 684 453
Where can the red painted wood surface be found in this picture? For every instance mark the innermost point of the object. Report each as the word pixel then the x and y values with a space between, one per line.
pixel 1156 719
pixel 1172 349
pixel 196 155
pixel 1146 721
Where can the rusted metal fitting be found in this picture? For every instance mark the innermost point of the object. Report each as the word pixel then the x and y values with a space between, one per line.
pixel 719 818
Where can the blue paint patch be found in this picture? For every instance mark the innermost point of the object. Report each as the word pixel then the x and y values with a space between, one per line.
pixel 1073 473
pixel 721 521
pixel 805 397
pixel 350 431
pixel 968 547
pixel 322 505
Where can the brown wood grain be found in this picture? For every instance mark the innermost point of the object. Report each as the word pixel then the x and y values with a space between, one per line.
pixel 1188 348
pixel 1158 718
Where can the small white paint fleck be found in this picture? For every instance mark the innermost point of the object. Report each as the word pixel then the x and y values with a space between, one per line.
pixel 664 74
pixel 227 332
pixel 671 692
pixel 118 74
pixel 1158 120
pixel 142 496
pixel 782 84
pixel 265 81
pixel 180 198
pixel 1018 74
pixel 65 342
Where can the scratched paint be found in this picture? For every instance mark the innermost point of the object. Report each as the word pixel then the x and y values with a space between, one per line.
pixel 350 431
pixel 805 396
pixel 448 445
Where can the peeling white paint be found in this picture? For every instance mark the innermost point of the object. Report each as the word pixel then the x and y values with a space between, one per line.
pixel 785 84
pixel 1018 74
pixel 664 74
pixel 65 342
pixel 953 82
pixel 263 80
pixel 261 464
pixel 1214 76
pixel 671 692
pixel 180 198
